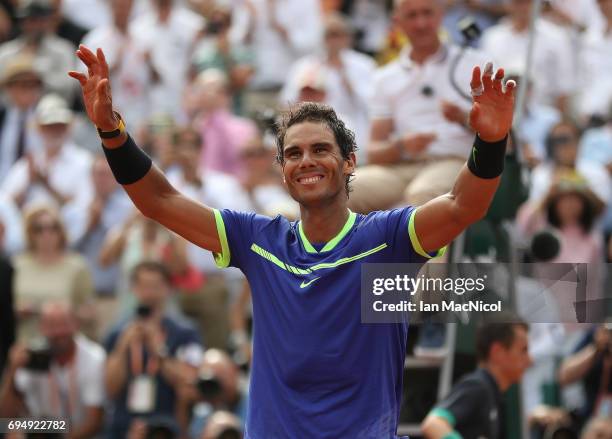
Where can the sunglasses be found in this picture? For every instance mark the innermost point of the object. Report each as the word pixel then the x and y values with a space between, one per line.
pixel 24 83
pixel 561 140
pixel 39 228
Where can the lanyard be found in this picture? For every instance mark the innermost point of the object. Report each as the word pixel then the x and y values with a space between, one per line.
pixel 137 361
pixel 66 404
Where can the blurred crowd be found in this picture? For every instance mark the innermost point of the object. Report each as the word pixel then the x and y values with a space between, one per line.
pixel 125 329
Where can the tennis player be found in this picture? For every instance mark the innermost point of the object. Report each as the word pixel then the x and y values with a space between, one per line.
pixel 317 371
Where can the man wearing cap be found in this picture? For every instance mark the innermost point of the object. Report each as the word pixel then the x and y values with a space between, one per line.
pixel 57 173
pixel 22 85
pixel 52 55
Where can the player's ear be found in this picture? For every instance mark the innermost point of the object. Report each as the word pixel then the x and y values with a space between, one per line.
pixel 350 164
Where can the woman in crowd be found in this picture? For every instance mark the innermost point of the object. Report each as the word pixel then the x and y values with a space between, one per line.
pixel 48 271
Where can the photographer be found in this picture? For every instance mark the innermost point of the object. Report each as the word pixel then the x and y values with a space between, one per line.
pixel 215 388
pixel 591 363
pixel 62 380
pixel 222 425
pixel 149 354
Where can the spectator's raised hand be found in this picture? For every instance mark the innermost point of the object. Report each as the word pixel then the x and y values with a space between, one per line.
pixel 493 104
pixel 96 89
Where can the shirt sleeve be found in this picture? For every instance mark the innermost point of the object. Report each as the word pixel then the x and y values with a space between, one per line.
pixel 464 405
pixel 236 230
pixel 402 237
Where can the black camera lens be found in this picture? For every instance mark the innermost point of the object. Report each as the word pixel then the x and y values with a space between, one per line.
pixel 144 311
pixel 209 385
pixel 39 358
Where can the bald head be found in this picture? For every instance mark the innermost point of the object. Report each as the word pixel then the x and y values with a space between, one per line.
pixel 420 21
pixel 58 325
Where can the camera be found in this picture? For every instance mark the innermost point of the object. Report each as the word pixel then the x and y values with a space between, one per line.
pixel 143 311
pixel 39 354
pixel 208 385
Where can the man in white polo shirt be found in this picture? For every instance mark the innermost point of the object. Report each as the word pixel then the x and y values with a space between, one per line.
pixel 419 128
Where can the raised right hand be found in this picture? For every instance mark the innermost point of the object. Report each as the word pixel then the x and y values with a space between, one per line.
pixel 96 89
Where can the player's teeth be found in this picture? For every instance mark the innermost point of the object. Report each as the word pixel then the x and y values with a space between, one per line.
pixel 311 179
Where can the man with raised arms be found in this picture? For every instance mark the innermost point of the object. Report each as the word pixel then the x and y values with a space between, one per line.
pixel 317 371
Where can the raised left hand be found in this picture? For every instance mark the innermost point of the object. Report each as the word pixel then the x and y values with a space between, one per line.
pixel 493 104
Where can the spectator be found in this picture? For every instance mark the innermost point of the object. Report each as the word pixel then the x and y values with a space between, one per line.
pixel 569 212
pixel 12 228
pixel 52 54
pixel 262 182
pixel 149 354
pixel 279 32
pixel 537 120
pixel 348 77
pixel 595 86
pixel 552 53
pixel 473 408
pixel 48 271
pixel 485 14
pixel 167 33
pixel 131 70
pixel 419 138
pixel 598 428
pixel 89 223
pixel 66 382
pixel 138 239
pixel 371 21
pixel 590 363
pixel 7 312
pixel 7 27
pixel 217 387
pixel 208 307
pixel 211 187
pixel 222 425
pixel 87 13
pixel 65 28
pixel 22 85
pixel 217 50
pixel 93 218
pixel 223 133
pixel 562 151
pixel 49 176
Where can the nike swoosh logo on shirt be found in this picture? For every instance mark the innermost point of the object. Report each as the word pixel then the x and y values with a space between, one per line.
pixel 305 284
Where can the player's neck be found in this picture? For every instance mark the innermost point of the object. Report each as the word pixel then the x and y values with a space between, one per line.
pixel 322 224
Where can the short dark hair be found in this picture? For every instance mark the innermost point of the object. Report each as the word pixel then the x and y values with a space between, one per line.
pixel 151 266
pixel 315 112
pixel 497 329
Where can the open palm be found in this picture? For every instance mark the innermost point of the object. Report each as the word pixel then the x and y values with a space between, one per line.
pixel 493 104
pixel 96 88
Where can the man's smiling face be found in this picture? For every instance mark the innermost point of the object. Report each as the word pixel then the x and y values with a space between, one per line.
pixel 313 167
